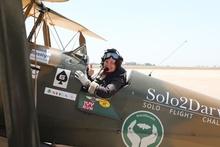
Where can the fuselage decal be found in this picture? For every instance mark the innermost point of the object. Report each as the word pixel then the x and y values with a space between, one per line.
pixel 142 129
pixel 60 93
pixel 182 106
pixel 42 56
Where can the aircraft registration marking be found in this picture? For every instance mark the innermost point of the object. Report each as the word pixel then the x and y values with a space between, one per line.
pixel 59 93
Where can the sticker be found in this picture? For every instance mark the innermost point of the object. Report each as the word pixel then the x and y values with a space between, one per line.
pixel 88 105
pixel 59 93
pixel 142 128
pixel 104 103
pixel 61 78
pixel 35 70
pixel 42 56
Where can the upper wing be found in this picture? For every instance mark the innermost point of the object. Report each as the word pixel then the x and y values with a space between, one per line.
pixel 54 18
pixel 25 2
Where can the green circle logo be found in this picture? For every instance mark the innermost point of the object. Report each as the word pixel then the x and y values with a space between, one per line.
pixel 142 129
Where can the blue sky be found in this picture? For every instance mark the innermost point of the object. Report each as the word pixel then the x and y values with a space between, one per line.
pixel 147 31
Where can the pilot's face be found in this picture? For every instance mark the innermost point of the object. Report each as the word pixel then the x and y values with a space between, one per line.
pixel 110 64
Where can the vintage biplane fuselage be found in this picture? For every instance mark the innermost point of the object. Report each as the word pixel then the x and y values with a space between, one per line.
pixel 148 107
pixel 147 112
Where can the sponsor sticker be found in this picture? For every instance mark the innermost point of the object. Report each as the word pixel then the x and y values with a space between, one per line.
pixel 142 128
pixel 61 78
pixel 104 103
pixel 42 56
pixel 88 105
pixel 59 93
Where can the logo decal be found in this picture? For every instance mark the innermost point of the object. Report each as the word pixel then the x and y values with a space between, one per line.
pixel 104 103
pixel 88 105
pixel 61 78
pixel 142 129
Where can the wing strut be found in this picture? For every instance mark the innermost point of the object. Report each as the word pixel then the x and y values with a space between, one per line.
pixel 39 20
pixel 47 41
pixel 82 42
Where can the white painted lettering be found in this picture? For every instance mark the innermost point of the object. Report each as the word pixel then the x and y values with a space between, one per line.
pixel 168 98
pixel 181 113
pixel 151 92
pixel 184 100
pixel 211 121
pixel 218 112
pixel 196 108
pixel 160 98
pixel 151 106
pixel 204 109
pixel 211 112
pixel 174 102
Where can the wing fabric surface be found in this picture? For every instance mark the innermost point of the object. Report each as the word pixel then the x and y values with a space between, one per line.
pixel 56 19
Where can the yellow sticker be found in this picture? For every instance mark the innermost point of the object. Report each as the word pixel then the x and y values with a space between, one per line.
pixel 104 103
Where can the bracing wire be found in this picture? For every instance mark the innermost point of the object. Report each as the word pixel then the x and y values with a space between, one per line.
pixel 74 43
pixel 56 32
pixel 71 40
pixel 55 39
pixel 38 31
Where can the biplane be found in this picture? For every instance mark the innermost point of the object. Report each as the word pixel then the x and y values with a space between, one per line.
pixel 146 112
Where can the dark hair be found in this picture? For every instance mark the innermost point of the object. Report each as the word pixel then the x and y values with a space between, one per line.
pixel 114 54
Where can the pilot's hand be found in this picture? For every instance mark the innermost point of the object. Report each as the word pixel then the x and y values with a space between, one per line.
pixel 82 78
pixel 146 141
pixel 133 137
pixel 90 70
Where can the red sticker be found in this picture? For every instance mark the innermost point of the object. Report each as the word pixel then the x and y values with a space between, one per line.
pixel 88 105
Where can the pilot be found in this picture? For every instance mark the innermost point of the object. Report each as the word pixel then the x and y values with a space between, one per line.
pixel 110 78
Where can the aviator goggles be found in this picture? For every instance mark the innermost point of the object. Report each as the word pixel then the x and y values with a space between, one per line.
pixel 113 55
